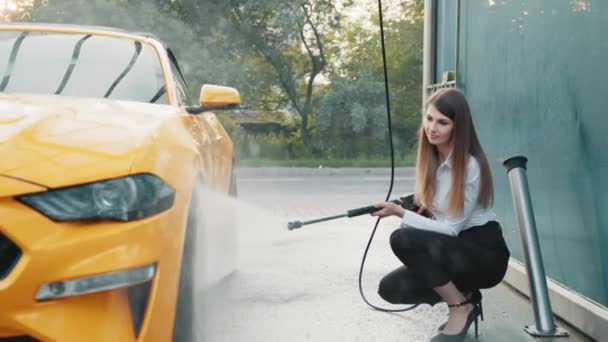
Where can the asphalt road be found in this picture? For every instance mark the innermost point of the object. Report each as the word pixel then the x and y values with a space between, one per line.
pixel 302 285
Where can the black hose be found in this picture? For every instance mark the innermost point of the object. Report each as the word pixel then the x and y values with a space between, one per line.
pixel 390 189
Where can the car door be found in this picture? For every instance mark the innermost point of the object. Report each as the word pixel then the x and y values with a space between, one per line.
pixel 220 149
pixel 214 146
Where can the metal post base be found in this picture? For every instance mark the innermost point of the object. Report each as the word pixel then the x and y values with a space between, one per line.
pixel 558 332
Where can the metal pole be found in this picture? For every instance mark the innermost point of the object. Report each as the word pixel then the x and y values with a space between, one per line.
pixel 428 50
pixel 543 315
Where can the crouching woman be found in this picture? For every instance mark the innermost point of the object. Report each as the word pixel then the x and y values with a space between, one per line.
pixel 460 248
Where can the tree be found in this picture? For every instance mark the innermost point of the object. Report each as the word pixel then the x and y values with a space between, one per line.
pixel 357 84
pixel 20 10
pixel 352 107
pixel 289 36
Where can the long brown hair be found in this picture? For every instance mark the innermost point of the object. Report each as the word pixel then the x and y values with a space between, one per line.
pixel 453 104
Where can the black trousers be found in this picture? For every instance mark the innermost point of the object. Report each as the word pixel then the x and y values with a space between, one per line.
pixel 476 259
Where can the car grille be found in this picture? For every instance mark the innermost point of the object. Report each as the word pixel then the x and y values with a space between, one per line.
pixel 9 255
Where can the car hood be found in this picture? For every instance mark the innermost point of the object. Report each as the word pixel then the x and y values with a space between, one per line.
pixel 56 140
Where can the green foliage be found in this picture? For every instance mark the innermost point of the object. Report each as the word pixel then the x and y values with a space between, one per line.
pixel 268 146
pixel 289 36
pixel 352 110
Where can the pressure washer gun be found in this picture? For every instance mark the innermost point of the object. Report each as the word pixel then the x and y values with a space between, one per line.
pixel 406 202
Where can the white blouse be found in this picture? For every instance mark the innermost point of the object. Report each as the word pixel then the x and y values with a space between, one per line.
pixel 473 213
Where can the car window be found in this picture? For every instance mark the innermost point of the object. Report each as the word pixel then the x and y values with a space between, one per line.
pixel 80 65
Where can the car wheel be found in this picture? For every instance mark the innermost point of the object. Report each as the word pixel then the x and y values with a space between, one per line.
pixel 183 326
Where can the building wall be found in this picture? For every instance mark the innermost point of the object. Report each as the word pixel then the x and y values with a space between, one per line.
pixel 535 75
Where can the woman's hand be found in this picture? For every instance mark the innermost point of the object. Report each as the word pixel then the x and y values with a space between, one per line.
pixel 387 209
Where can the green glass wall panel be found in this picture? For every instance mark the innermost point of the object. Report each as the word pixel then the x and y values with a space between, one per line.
pixel 535 74
pixel 445 38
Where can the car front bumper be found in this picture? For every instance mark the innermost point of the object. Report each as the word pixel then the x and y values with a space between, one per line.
pixel 71 253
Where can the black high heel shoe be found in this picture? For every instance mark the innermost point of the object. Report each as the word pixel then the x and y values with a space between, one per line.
pixel 471 318
pixel 475 298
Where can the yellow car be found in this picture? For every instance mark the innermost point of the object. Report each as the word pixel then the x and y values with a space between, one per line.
pixel 100 158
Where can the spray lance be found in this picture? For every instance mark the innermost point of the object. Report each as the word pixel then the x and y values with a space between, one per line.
pixel 406 202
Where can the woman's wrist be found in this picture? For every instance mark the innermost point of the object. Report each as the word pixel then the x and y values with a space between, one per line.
pixel 401 212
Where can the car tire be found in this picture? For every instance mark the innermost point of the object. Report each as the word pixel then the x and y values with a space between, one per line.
pixel 183 326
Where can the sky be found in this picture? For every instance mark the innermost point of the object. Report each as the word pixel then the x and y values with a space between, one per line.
pixel 361 8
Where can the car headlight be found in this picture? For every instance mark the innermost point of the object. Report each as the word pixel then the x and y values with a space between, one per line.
pixel 121 199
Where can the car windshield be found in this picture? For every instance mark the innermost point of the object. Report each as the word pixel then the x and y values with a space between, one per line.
pixel 80 65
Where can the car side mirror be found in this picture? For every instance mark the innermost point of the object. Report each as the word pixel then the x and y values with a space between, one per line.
pixel 215 97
